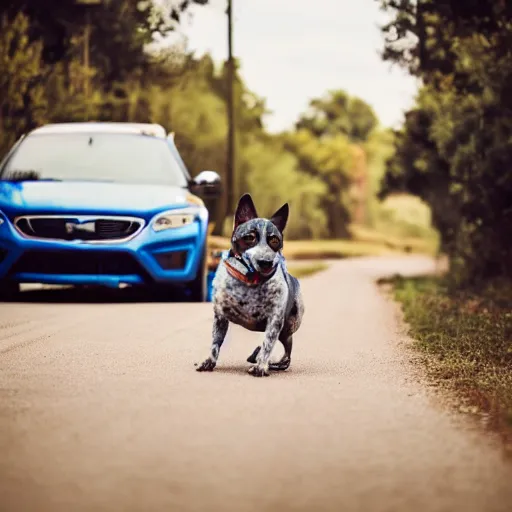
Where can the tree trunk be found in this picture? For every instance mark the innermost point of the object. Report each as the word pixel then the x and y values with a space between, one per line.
pixel 337 215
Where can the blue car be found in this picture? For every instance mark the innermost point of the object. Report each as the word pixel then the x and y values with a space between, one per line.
pixel 109 204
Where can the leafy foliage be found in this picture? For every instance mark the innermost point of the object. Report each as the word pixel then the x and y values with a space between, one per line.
pixel 21 92
pixel 330 162
pixel 326 168
pixel 338 113
pixel 329 144
pixel 120 29
pixel 455 150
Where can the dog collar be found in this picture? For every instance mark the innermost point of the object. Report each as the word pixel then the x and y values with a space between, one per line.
pixel 248 276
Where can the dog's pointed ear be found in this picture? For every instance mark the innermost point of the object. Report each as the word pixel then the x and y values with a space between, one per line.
pixel 245 210
pixel 280 218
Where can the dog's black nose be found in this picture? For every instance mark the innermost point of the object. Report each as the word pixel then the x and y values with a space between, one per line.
pixel 264 264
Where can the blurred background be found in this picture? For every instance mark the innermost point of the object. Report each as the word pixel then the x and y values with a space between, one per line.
pixel 386 124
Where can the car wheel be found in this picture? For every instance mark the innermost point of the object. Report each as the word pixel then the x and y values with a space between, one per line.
pixel 8 289
pixel 198 288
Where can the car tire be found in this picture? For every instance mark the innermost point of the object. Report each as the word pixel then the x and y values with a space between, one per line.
pixel 198 288
pixel 8 289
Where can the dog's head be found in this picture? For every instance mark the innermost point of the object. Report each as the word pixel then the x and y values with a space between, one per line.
pixel 257 240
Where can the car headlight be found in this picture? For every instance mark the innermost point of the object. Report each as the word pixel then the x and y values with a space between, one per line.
pixel 174 219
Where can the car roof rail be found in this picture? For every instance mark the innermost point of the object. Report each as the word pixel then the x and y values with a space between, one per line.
pixel 149 129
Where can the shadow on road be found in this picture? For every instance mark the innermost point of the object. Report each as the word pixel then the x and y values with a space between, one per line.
pixel 96 295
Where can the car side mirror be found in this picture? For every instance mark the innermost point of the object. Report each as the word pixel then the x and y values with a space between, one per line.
pixel 206 184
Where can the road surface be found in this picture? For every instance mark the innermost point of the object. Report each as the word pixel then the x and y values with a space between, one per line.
pixel 101 410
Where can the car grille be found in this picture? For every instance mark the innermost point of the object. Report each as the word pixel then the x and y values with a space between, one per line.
pixel 78 263
pixel 84 228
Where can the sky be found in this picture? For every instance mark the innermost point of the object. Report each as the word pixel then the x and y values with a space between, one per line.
pixel 294 50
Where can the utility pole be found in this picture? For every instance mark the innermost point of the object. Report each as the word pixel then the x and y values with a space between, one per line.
pixel 230 76
pixel 87 39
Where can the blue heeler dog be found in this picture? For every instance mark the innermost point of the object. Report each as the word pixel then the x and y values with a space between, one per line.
pixel 252 288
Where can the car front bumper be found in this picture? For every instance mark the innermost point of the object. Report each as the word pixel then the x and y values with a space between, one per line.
pixel 170 256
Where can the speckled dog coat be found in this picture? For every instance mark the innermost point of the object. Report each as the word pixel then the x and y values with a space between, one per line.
pixel 253 288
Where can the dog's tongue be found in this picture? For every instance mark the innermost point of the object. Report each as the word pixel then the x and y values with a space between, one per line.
pixel 251 274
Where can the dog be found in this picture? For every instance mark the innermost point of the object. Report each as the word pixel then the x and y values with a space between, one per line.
pixel 253 288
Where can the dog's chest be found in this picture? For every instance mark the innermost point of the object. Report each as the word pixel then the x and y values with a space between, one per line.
pixel 247 306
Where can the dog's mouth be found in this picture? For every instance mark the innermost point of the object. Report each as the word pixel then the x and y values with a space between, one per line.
pixel 265 267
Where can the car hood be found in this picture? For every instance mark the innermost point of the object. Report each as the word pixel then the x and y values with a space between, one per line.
pixel 90 198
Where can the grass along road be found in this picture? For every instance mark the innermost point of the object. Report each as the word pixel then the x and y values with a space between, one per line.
pixel 466 342
pixel 365 242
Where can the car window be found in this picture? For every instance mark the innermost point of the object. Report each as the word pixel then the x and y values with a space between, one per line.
pixel 124 158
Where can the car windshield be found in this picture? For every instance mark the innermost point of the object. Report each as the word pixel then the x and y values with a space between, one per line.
pixel 124 158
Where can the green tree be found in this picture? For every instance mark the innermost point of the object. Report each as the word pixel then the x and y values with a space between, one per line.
pixel 334 131
pixel 339 113
pixel 454 150
pixel 120 30
pixel 417 168
pixel 273 177
pixel 329 160
pixel 21 91
pixel 378 149
pixel 420 34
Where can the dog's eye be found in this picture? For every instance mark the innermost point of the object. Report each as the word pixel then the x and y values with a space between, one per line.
pixel 249 239
pixel 274 242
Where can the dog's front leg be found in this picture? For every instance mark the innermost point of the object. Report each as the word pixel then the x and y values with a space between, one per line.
pixel 219 331
pixel 274 327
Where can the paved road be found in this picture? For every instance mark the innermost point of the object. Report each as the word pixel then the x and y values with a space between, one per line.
pixel 101 410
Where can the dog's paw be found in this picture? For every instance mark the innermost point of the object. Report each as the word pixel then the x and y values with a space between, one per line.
pixel 207 365
pixel 281 365
pixel 253 357
pixel 258 371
